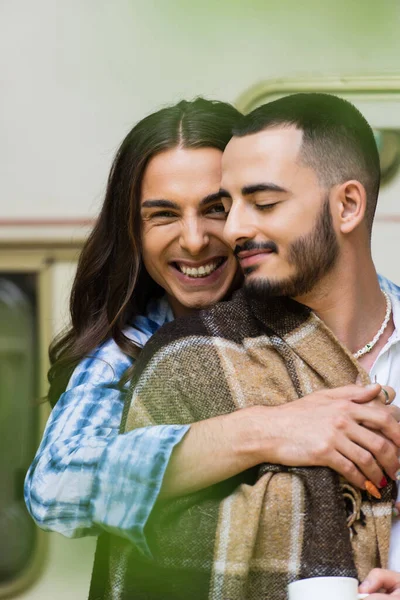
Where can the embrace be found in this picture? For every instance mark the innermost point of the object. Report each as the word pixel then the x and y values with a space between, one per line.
pixel 284 451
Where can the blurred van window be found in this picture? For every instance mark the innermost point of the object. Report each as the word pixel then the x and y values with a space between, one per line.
pixel 18 425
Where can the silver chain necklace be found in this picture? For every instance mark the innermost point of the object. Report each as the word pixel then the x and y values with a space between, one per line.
pixel 368 347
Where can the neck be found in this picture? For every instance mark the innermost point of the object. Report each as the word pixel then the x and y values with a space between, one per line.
pixel 351 303
pixel 178 309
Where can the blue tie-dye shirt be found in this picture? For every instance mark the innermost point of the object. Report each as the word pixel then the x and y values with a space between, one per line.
pixel 85 477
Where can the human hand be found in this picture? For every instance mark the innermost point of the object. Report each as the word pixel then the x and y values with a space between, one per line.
pixel 348 429
pixel 381 583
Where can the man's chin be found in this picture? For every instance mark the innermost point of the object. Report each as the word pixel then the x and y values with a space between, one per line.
pixel 262 288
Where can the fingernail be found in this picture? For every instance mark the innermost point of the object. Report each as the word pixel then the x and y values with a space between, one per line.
pixel 371 386
pixel 372 490
pixel 383 482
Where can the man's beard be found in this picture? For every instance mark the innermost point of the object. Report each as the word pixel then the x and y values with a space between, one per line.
pixel 312 255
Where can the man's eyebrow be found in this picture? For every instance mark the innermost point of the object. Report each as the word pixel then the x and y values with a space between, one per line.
pixel 262 187
pixel 159 204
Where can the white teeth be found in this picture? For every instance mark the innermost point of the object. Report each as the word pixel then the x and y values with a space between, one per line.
pixel 202 271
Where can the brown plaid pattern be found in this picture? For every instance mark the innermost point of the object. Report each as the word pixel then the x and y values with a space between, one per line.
pixel 248 537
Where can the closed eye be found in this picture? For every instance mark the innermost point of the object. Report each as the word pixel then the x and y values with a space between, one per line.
pixel 266 206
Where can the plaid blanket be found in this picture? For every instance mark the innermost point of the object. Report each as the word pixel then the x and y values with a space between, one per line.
pixel 248 537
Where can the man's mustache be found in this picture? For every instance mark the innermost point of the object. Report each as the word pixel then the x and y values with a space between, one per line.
pixel 249 245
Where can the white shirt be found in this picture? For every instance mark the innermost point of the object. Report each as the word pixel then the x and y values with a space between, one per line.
pixel 386 368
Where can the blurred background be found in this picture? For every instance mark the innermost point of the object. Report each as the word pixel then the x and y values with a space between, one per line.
pixel 74 77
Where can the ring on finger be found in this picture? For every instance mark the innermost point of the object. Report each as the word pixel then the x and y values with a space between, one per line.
pixel 387 399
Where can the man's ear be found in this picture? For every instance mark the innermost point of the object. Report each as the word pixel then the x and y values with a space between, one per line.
pixel 350 202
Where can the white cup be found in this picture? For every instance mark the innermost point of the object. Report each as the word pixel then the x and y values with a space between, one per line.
pixel 325 588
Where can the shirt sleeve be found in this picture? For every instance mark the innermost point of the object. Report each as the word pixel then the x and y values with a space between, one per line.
pixel 85 477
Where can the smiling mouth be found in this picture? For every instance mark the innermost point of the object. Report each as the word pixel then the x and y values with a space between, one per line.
pixel 200 272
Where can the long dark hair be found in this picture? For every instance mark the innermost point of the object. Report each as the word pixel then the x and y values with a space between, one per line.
pixel 111 285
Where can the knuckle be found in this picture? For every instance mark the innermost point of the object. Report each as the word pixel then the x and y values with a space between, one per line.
pixel 366 459
pixel 341 422
pixel 387 419
pixel 380 446
pixel 321 450
pixel 349 470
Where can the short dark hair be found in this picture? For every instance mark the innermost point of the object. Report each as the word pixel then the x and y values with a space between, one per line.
pixel 338 143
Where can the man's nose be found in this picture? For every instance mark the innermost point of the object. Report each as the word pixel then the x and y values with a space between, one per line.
pixel 239 226
pixel 194 238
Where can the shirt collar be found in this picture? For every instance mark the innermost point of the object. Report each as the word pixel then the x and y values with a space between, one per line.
pixel 395 337
pixel 159 311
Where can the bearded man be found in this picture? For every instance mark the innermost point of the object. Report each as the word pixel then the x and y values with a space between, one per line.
pixel 300 184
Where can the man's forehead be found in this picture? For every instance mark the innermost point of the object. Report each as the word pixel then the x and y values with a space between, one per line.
pixel 280 141
pixel 274 149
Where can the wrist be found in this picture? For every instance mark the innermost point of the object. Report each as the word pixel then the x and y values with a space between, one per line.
pixel 252 436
